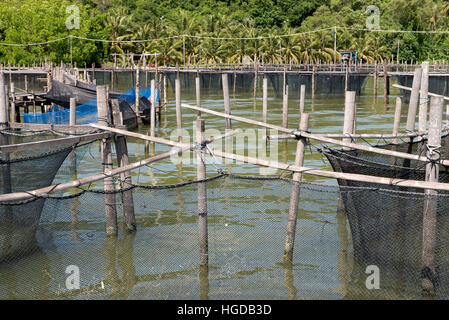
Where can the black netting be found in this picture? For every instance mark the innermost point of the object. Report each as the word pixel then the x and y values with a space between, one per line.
pixel 247 223
pixel 374 164
pixel 326 84
pixel 438 83
pixel 29 170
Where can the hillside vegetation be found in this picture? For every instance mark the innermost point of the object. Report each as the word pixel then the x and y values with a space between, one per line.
pixel 169 21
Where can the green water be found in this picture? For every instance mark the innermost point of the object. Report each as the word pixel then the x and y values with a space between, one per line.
pixel 247 221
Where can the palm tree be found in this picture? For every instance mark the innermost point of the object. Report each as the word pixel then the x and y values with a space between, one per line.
pixel 117 23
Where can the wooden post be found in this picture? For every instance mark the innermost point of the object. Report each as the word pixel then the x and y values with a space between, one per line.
pixel 302 99
pixel 348 125
pixel 227 103
pixel 386 83
pixel 285 102
pixel 375 79
pixel 72 121
pixel 13 114
pixel 153 109
pixel 26 83
pixel 313 81
pixel 423 98
pixel 265 103
pixel 255 85
pixel 178 107
pixel 198 92
pixel 4 140
pixel 137 91
pixel 202 194
pixel 49 79
pixel 431 202
pixel 109 198
pixel 396 125
pixel 125 177
pixel 3 104
pixel 397 118
pixel 294 197
pixel 165 94
pixel 413 104
pixel 346 77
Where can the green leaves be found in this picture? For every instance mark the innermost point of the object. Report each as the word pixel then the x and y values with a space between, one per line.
pixel 42 21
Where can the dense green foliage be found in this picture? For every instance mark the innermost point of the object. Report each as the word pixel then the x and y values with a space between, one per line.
pixel 36 21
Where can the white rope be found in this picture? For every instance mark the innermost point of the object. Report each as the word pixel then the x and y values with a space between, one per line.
pixel 224 38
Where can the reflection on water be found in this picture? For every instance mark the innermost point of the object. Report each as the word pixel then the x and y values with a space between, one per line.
pixel 247 223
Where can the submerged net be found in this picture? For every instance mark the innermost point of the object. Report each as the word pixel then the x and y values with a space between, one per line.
pixel 247 224
pixel 374 164
pixel 28 170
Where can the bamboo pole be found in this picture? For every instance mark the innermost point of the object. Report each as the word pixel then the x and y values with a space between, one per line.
pixel 423 99
pixel 165 93
pixel 72 121
pixel 413 104
pixel 265 103
pixel 178 107
pixel 430 94
pixel 125 177
pixel 273 164
pixel 397 119
pixel 375 79
pixel 349 119
pixel 302 99
pixel 334 175
pixel 198 91
pixel 396 125
pixel 313 82
pixel 294 196
pixel 13 104
pixel 285 104
pixel 431 202
pixel 386 83
pixel 18 196
pixel 153 109
pixel 3 104
pixel 137 93
pixel 202 194
pixel 227 103
pixel 317 136
pixel 109 198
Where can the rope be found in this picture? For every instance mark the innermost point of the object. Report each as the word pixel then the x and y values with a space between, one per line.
pixel 223 38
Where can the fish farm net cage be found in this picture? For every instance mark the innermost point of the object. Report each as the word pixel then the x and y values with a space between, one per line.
pixel 326 84
pixel 247 221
